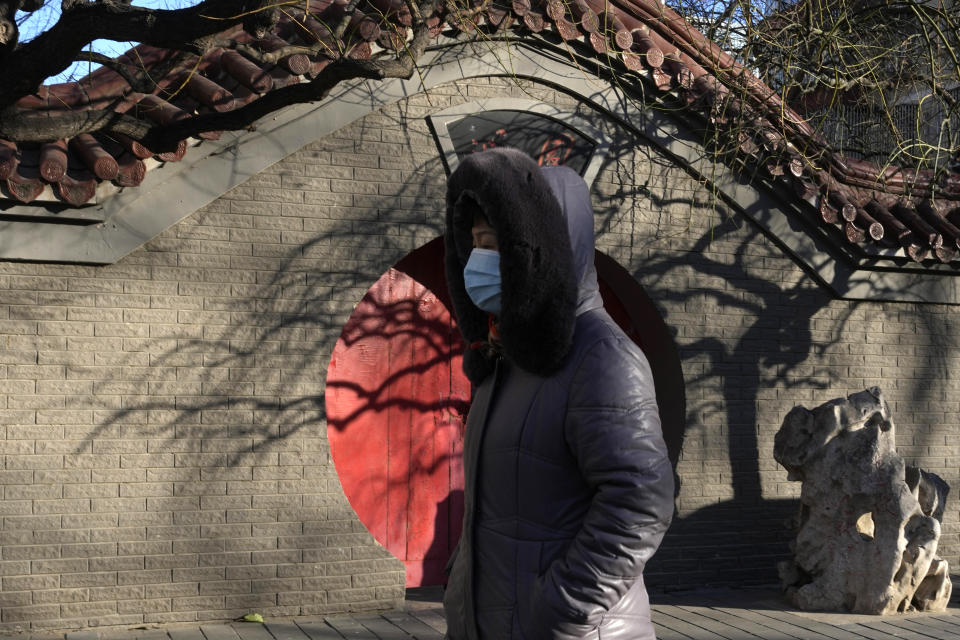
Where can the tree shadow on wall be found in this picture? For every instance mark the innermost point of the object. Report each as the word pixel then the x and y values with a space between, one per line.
pixel 760 354
pixel 776 344
pixel 231 405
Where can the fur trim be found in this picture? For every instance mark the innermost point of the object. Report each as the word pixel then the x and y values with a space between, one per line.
pixel 539 290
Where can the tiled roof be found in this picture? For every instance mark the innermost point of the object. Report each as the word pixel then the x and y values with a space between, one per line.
pixel 888 208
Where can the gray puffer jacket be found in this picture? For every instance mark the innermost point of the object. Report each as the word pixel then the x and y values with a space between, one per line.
pixel 568 489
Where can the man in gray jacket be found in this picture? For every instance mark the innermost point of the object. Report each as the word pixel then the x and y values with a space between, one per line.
pixel 568 489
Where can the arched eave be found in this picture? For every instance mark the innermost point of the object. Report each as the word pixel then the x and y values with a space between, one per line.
pixel 132 217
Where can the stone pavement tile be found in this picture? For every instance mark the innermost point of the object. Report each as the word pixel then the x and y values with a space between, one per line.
pixel 286 630
pixel 432 617
pixel 188 633
pixel 696 616
pixel 251 631
pixel 953 620
pixel 766 628
pixel 219 632
pixel 664 633
pixel 383 628
pixel 350 628
pixel 410 624
pixel 931 627
pixel 885 631
pixel 804 626
pixel 680 627
pixel 319 630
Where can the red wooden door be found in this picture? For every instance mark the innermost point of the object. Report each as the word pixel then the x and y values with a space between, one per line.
pixel 396 400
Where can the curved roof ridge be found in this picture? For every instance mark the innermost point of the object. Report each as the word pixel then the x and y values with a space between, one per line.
pixel 871 205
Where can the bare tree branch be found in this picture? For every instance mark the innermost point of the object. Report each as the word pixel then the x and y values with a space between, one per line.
pixel 28 65
pixel 343 69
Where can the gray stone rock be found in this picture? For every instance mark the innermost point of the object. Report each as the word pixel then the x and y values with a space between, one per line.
pixel 868 525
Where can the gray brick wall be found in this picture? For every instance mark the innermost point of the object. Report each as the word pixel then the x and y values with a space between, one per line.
pixel 163 436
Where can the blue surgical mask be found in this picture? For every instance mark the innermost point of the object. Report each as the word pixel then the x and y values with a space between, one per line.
pixel 481 277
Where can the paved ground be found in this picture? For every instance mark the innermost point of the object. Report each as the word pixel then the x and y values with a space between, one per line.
pixel 745 614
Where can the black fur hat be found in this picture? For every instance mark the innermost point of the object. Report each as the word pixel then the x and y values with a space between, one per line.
pixel 539 290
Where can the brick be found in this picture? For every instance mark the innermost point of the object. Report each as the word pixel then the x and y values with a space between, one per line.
pixel 15 599
pixel 146 489
pixel 199 517
pixel 89 550
pixel 92 461
pixel 226 502
pixel 151 576
pixel 121 505
pixel 334 554
pixel 352 596
pixel 169 590
pixel 224 587
pixel 63 506
pixel 64 328
pixel 125 592
pixel 377 579
pixel 30 613
pixel 17 417
pixel 277 585
pixel 146 460
pixel 199 574
pixel 31 522
pixel 88 609
pixel 19 387
pixel 31 583
pixel 34 462
pixel 30 492
pixel 176 560
pixel 118 475
pixel 144 547
pixel 179 503
pixel 198 602
pixel 200 488
pixel 60 595
pixel 119 446
pixel 16 507
pixel 88 520
pixel 253 572
pixel 173 533
pixel 250 544
pixel 176 474
pixel 251 515
pixel 224 559
pixel 67 565
pixel 89 579
pixel 145 605
pixel 31 552
pixel 16 477
pixel 119 563
pixel 250 601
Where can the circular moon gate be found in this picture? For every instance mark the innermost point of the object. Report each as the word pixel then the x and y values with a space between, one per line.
pixel 397 400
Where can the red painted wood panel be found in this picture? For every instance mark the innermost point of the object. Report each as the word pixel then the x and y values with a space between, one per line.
pixel 396 398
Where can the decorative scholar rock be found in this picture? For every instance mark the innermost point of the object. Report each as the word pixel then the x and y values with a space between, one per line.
pixel 868 524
